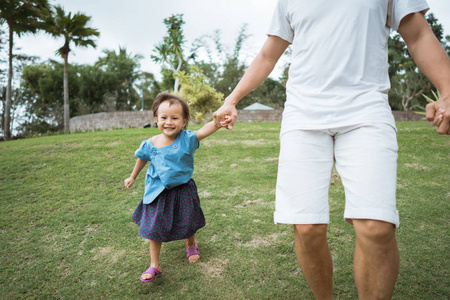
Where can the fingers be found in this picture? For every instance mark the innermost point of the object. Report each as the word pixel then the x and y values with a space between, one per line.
pixel 128 182
pixel 228 123
pixel 231 123
pixel 438 117
pixel 216 117
pixel 225 116
pixel 443 122
pixel 221 118
pixel 430 113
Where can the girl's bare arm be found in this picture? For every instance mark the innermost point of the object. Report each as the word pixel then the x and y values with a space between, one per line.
pixel 140 163
pixel 207 130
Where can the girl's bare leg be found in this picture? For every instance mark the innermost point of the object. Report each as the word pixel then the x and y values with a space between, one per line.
pixel 155 250
pixel 191 243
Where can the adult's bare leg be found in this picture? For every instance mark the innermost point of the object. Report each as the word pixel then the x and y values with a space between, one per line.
pixel 314 258
pixel 376 259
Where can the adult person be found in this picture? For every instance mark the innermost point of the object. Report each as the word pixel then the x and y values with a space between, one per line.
pixel 337 111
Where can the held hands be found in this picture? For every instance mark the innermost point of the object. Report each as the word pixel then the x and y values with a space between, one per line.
pixel 225 116
pixel 438 114
pixel 128 182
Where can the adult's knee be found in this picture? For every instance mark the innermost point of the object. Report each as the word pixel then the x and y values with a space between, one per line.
pixel 310 234
pixel 373 231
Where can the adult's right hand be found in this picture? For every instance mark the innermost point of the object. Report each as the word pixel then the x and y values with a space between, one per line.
pixel 225 116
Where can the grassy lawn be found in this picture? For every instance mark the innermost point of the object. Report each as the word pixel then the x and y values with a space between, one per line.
pixel 67 233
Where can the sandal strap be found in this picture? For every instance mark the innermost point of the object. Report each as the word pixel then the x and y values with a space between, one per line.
pixel 192 251
pixel 153 271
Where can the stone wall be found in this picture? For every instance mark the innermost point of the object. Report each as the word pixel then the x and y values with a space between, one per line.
pixel 111 120
pixel 127 119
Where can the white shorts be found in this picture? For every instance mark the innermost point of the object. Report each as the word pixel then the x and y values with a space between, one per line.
pixel 366 160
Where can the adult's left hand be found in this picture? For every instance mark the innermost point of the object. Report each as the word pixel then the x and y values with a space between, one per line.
pixel 438 114
pixel 225 116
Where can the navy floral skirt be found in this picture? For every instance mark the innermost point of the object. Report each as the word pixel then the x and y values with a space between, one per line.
pixel 174 215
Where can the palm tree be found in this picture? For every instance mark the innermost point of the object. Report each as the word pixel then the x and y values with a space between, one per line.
pixel 170 51
pixel 22 16
pixel 73 29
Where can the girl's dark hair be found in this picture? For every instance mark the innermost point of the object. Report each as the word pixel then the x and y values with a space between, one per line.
pixel 165 96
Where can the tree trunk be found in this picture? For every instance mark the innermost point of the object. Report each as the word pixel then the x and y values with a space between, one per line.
pixel 176 72
pixel 7 127
pixel 66 94
pixel 176 85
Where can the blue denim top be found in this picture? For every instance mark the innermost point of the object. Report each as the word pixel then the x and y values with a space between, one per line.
pixel 169 166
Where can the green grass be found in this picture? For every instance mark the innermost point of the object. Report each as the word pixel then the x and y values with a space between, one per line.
pixel 67 233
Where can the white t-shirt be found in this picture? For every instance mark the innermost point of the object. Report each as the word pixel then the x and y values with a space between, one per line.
pixel 339 64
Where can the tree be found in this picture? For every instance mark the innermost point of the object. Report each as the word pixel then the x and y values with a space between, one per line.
pixel 122 71
pixel 73 29
pixel 43 105
pixel 170 51
pixel 215 54
pixel 149 87
pixel 446 44
pixel 223 68
pixel 271 92
pixel 22 16
pixel 200 95
pixel 93 88
pixel 3 54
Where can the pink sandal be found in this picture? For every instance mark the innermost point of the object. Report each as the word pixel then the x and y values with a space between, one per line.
pixel 152 271
pixel 192 251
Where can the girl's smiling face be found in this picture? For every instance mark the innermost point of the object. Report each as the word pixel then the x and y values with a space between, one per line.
pixel 170 119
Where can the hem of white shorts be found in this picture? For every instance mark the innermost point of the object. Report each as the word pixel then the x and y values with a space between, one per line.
pixel 300 219
pixel 373 214
pixel 290 128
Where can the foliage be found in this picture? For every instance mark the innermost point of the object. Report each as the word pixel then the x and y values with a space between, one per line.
pixel 74 238
pixel 271 93
pixel 436 96
pixel 108 85
pixel 74 30
pixel 170 51
pixel 3 53
pixel 121 69
pixel 201 96
pixel 446 44
pixel 22 16
pixel 285 75
pixel 224 68
pixel 18 95
pixel 149 88
pixel 44 96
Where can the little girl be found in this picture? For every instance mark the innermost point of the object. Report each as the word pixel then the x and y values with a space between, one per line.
pixel 170 209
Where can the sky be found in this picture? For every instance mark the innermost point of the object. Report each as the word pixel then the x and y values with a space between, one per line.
pixel 138 26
